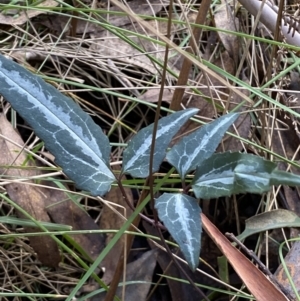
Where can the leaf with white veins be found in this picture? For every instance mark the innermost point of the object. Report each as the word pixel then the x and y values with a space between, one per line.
pixel 232 173
pixel 181 215
pixel 192 149
pixel 136 157
pixel 70 134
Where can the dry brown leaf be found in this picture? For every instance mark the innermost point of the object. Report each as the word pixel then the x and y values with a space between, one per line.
pixel 225 19
pixel 286 143
pixel 242 125
pixel 63 210
pixel 152 95
pixel 209 110
pixel 178 49
pixel 241 128
pixel 108 45
pixel 140 270
pixel 185 71
pixel 219 95
pixel 38 201
pixel 293 265
pixel 141 7
pixel 110 220
pixel 29 197
pixel 178 290
pixel 256 282
pixel 24 16
pixel 294 94
pixel 112 47
pixel 204 103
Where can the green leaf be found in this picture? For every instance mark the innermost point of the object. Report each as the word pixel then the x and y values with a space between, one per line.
pixel 199 145
pixel 136 157
pixel 270 220
pixel 231 173
pixel 181 216
pixel 70 134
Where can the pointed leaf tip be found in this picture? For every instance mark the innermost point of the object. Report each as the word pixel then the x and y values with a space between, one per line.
pixel 136 157
pixel 194 148
pixel 232 173
pixel 70 134
pixel 181 215
pixel 269 220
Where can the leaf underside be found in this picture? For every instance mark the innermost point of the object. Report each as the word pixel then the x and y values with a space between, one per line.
pixel 136 157
pixel 70 134
pixel 274 219
pixel 181 216
pixel 232 173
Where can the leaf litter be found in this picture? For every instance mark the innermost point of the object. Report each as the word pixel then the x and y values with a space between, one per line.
pixel 28 197
pixel 213 101
pixel 40 201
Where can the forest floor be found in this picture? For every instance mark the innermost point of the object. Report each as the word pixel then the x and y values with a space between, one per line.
pixel 123 62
